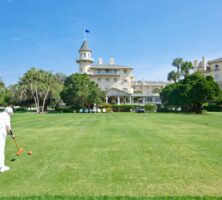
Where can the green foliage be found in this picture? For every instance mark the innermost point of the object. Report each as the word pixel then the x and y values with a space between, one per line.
pixel 79 91
pixel 186 67
pixel 150 107
pixel 39 87
pixel 213 107
pixel 64 109
pixel 183 69
pixel 173 76
pixel 4 94
pixel 105 105
pixel 191 93
pixel 124 108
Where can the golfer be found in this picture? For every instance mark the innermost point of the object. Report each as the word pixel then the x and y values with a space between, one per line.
pixel 5 126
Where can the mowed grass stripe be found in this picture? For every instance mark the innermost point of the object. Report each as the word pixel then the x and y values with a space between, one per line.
pixel 115 154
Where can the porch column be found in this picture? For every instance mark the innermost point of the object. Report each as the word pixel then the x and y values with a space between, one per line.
pixel 143 100
pixel 118 100
pixel 130 100
pixel 107 99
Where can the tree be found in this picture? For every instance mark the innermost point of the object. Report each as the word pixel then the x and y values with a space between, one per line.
pixel 79 91
pixel 191 93
pixel 38 85
pixel 2 93
pixel 55 98
pixel 173 76
pixel 186 67
pixel 177 62
pixel 201 90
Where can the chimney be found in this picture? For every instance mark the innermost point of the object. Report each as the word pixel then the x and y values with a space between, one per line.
pixel 111 61
pixel 100 61
pixel 195 64
pixel 204 63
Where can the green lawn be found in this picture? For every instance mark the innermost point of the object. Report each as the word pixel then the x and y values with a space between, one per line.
pixel 111 155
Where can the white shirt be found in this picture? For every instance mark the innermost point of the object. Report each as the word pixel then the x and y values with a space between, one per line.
pixel 5 120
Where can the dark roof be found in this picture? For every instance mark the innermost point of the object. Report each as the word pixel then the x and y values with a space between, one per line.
pixel 109 66
pixel 84 46
pixel 216 60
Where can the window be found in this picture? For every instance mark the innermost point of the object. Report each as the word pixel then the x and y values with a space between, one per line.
pixel 115 79
pixel 216 68
pixel 115 71
pixel 107 79
pixel 125 71
pixel 99 79
pixel 125 81
pixel 107 71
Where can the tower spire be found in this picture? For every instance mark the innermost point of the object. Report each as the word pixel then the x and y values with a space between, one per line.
pixel 85 58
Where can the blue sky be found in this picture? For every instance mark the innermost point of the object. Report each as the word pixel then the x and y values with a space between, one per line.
pixel 144 34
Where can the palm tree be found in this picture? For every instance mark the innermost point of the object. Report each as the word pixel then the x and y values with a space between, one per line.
pixel 173 76
pixel 186 67
pixel 177 62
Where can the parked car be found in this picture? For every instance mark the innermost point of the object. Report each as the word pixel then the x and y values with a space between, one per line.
pixel 140 110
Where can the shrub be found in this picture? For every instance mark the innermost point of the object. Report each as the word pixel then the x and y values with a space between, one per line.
pixel 64 109
pixel 20 109
pixel 150 107
pixel 124 108
pixel 213 107
pixel 105 105
pixel 109 110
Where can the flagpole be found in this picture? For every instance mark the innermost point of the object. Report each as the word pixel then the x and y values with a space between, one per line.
pixel 84 33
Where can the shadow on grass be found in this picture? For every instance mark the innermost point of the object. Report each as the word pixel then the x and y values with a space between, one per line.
pixel 51 197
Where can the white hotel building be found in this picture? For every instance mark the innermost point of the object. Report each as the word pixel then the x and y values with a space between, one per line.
pixel 210 68
pixel 118 81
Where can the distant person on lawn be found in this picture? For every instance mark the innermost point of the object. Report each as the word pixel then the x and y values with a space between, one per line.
pixel 5 126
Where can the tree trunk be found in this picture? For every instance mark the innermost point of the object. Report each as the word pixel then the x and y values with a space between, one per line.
pixel 36 105
pixel 37 99
pixel 43 104
pixel 198 108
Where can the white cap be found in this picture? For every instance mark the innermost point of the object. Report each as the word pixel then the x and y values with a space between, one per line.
pixel 9 110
